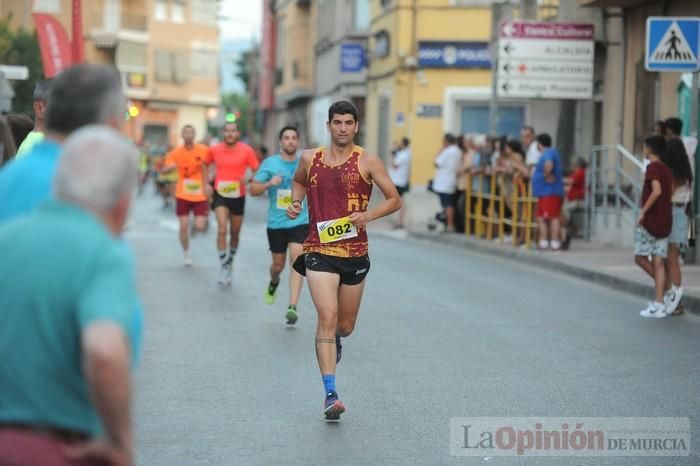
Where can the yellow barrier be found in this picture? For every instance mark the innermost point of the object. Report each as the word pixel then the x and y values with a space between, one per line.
pixel 521 207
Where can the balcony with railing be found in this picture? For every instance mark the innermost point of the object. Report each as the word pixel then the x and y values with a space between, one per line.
pixel 108 28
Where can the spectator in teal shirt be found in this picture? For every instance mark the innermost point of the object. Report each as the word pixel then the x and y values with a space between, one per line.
pixel 67 308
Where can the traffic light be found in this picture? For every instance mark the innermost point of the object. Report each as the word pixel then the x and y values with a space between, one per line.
pixel 230 117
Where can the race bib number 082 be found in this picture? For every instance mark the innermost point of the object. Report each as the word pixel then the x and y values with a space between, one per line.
pixel 335 230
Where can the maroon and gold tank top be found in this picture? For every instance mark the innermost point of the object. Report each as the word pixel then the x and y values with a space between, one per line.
pixel 334 192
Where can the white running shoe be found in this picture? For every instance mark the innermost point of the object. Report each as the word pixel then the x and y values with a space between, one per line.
pixel 228 274
pixel 188 260
pixel 654 310
pixel 222 276
pixel 544 244
pixel 674 299
pixel 668 296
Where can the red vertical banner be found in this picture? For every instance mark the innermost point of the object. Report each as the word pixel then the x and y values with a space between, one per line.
pixel 53 43
pixel 77 43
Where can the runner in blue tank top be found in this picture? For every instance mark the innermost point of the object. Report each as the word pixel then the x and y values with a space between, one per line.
pixel 275 177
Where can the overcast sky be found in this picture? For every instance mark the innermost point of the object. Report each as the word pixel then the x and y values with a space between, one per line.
pixel 244 19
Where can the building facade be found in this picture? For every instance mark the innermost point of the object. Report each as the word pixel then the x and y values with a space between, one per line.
pixel 295 36
pixel 266 67
pixel 165 50
pixel 429 73
pixel 341 62
pixel 634 97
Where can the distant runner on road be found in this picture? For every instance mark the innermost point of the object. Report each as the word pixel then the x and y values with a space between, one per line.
pixel 188 159
pixel 230 159
pixel 275 176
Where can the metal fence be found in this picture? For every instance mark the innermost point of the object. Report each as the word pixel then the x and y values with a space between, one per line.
pixel 488 212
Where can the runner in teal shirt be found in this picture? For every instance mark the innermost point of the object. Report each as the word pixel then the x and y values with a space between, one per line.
pixel 275 176
pixel 280 195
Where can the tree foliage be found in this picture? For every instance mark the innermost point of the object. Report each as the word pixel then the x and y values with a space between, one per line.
pixel 242 68
pixel 21 48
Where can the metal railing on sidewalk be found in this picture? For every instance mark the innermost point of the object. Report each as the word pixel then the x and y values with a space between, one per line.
pixel 613 187
pixel 485 213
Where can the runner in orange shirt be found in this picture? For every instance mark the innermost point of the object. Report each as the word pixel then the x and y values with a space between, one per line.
pixel 190 195
pixel 231 159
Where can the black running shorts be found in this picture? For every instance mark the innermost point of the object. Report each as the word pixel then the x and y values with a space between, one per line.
pixel 235 206
pixel 352 270
pixel 280 238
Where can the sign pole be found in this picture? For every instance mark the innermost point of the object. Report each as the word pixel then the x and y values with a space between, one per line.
pixel 496 11
pixel 694 258
pixel 77 39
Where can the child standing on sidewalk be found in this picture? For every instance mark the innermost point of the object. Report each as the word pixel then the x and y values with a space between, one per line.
pixel 654 223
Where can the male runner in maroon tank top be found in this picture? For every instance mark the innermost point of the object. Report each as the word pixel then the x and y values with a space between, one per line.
pixel 337 182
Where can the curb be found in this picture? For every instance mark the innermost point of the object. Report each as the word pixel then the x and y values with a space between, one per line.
pixel 690 302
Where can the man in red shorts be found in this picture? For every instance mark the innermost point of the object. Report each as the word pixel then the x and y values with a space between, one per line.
pixel 548 188
pixel 188 159
pixel 231 159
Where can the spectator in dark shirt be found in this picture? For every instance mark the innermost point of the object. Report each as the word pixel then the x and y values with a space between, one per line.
pixel 654 223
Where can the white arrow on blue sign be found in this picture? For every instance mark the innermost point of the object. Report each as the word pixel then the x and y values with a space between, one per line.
pixel 672 44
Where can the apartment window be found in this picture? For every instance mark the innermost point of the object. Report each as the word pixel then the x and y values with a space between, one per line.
pixel 279 76
pixel 177 11
pixel 204 11
pixel 475 118
pixel 181 72
pixel 47 6
pixel 362 16
pixel 295 70
pixel 204 64
pixel 164 66
pixel 382 44
pixel 281 42
pixel 172 66
pixel 131 55
pixel 161 11
pixel 385 3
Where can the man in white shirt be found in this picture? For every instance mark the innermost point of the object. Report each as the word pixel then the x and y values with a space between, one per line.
pixel 527 137
pixel 400 173
pixel 448 163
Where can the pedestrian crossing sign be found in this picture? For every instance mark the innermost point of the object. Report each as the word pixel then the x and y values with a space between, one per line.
pixel 672 44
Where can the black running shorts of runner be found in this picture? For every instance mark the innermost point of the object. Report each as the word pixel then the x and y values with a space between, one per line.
pixel 352 270
pixel 280 238
pixel 235 206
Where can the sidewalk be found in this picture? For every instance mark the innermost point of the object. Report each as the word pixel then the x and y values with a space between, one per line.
pixel 610 266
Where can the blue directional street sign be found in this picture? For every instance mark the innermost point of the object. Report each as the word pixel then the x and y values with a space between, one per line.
pixel 352 58
pixel 672 44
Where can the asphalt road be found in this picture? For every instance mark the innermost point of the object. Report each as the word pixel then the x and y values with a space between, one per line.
pixel 442 333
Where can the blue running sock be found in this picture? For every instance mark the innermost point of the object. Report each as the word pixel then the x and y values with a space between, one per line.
pixel 329 383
